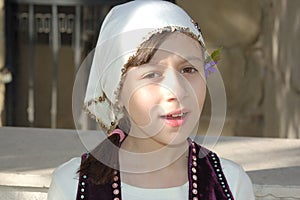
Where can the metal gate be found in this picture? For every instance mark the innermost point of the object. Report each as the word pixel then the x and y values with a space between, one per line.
pixel 45 44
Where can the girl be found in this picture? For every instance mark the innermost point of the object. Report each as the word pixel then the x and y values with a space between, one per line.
pixel 146 89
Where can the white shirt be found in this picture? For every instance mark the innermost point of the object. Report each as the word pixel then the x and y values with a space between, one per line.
pixel 174 193
pixel 65 182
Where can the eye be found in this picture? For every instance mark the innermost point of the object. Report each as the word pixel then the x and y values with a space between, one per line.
pixel 151 75
pixel 188 70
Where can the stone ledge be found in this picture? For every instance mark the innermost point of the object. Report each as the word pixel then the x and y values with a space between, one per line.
pixel 25 180
pixel 16 193
pixel 28 156
pixel 276 192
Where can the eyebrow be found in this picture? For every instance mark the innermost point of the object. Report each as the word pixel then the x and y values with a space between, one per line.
pixel 184 60
pixel 192 58
pixel 187 59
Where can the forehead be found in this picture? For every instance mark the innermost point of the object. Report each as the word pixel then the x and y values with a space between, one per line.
pixel 181 45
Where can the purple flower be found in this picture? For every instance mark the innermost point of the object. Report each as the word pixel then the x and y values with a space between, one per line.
pixel 209 68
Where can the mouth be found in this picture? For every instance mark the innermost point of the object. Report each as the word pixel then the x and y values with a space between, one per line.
pixel 175 119
pixel 175 116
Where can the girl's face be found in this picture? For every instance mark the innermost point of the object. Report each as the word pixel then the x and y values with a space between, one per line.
pixel 164 98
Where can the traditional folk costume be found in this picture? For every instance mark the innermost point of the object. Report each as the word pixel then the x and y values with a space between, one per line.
pixel 210 178
pixel 206 180
pixel 124 29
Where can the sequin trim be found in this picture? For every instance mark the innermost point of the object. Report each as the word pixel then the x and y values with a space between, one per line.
pixel 220 175
pixel 82 185
pixel 193 177
pixel 193 172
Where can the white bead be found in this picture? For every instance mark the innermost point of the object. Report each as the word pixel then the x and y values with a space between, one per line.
pixel 194 170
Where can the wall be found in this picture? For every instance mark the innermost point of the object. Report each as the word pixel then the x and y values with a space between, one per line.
pixel 282 83
pixel 259 63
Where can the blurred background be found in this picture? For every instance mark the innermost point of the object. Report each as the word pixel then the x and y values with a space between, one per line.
pixel 43 43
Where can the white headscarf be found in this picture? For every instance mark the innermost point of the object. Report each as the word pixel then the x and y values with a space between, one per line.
pixel 123 30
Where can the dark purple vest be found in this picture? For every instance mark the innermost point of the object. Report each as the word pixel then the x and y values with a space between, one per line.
pixel 206 180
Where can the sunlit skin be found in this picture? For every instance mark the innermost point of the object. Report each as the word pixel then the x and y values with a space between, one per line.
pixel 173 81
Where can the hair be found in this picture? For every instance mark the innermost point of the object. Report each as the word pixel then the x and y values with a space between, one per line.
pixel 103 173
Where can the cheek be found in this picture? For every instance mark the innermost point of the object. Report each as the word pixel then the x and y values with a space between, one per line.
pixel 199 87
pixel 140 104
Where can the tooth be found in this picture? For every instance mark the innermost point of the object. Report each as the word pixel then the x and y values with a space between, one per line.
pixel 178 115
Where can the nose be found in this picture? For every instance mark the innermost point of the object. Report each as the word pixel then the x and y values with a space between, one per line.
pixel 173 86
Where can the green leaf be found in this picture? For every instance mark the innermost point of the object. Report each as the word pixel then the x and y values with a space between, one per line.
pixel 216 54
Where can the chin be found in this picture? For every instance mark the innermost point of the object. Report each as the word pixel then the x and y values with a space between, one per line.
pixel 175 139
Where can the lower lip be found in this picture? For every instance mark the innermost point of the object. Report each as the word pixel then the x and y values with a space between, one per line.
pixel 175 122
